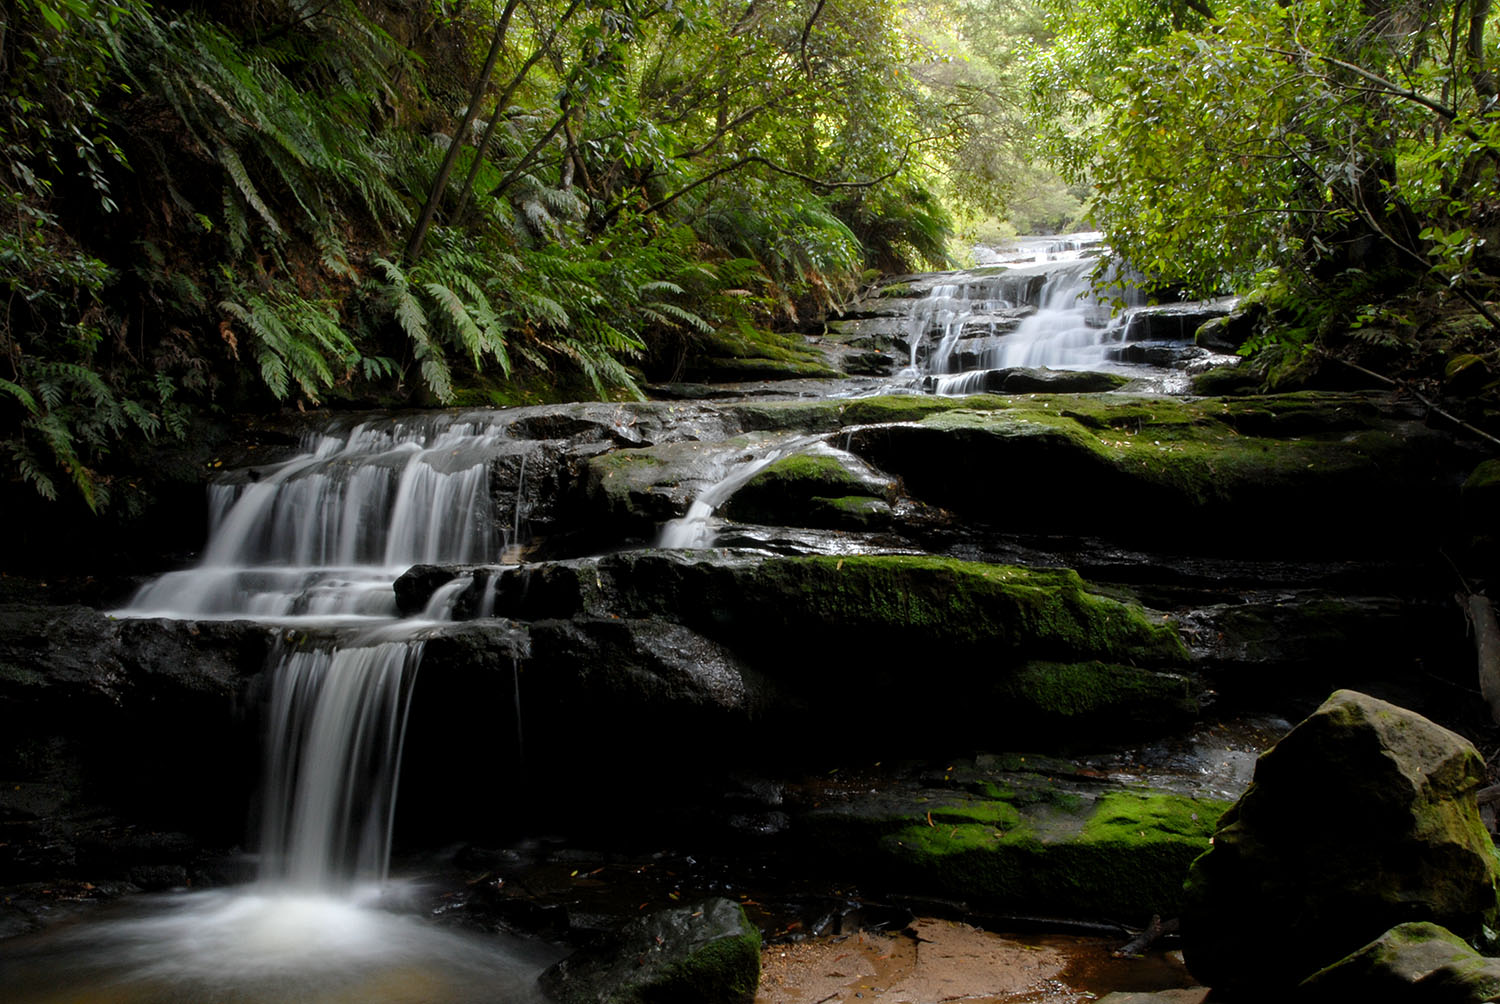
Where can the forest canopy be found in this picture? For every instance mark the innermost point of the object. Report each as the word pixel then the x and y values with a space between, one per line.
pixel 216 206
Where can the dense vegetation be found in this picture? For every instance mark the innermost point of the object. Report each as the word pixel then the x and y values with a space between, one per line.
pixel 208 205
pixel 1337 157
pixel 213 206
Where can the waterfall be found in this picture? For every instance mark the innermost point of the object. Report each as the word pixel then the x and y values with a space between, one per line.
pixel 317 541
pixel 693 530
pixel 325 534
pixel 1036 307
pixel 336 725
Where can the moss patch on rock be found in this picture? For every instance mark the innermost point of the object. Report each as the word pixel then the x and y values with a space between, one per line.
pixel 1033 844
pixel 1348 459
pixel 705 953
pixel 1106 696
pixel 800 491
pixel 754 354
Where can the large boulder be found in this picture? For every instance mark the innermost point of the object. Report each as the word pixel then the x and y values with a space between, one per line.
pixel 1361 818
pixel 1417 963
pixel 705 953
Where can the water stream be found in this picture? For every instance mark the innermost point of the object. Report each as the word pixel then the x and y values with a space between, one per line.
pixel 1036 307
pixel 317 542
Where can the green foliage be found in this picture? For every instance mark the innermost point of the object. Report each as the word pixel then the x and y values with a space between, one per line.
pixel 204 205
pixel 1323 147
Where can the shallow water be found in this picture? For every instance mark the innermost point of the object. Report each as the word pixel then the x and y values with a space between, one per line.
pixel 257 947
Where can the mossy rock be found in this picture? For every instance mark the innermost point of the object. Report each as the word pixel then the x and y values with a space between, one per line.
pixel 1415 963
pixel 1102 697
pixel 1030 844
pixel 755 354
pixel 1003 614
pixel 800 491
pixel 1227 462
pixel 840 636
pixel 704 953
pixel 1360 818
pixel 1222 380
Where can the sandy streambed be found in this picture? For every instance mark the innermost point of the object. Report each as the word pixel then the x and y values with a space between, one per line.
pixel 937 960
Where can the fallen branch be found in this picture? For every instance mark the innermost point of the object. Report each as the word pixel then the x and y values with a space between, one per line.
pixel 1136 947
pixel 1429 405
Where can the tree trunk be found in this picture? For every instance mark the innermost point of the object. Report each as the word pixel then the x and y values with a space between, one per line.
pixel 435 197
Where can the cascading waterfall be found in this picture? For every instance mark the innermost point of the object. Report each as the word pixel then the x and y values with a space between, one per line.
pixel 337 721
pixel 317 542
pixel 1036 308
pixel 325 534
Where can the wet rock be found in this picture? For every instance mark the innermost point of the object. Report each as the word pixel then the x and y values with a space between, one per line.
pixel 1017 834
pixel 1020 380
pixel 1361 818
pixel 1053 698
pixel 1307 638
pixel 634 491
pixel 95 714
pixel 705 953
pixel 1224 462
pixel 649 671
pixel 1419 963
pixel 822 488
pixel 1174 322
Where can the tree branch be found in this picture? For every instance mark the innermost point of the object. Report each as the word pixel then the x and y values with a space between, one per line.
pixel 806 32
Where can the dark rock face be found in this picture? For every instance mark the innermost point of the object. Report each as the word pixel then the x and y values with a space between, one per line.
pixel 108 720
pixel 706 953
pixel 1417 963
pixel 1361 818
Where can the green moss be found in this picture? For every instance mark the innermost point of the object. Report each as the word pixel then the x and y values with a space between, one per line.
pixel 1080 689
pixel 755 353
pixel 1226 380
pixel 725 971
pixel 807 475
pixel 1124 856
pixel 998 606
pixel 896 291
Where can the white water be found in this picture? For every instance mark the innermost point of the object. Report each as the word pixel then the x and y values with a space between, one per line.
pixel 696 529
pixel 324 535
pixel 1032 307
pixel 316 541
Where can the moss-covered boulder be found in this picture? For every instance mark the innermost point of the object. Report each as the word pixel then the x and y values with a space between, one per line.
pixel 750 354
pixel 1000 647
pixel 1417 963
pixel 705 953
pixel 1361 818
pixel 824 488
pixel 1105 698
pixel 1350 461
pixel 855 608
pixel 1023 840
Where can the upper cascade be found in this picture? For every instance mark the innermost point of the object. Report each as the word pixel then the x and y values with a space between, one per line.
pixel 1037 306
pixel 324 534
